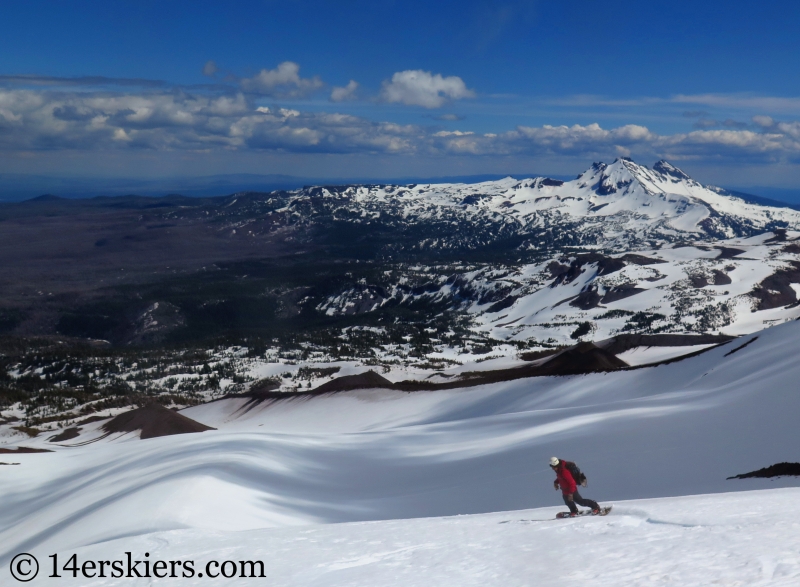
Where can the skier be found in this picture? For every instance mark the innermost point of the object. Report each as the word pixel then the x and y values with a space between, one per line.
pixel 569 488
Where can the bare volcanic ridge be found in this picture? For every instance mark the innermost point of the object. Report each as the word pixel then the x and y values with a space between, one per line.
pixel 22 449
pixel 584 357
pixel 624 342
pixel 154 420
pixel 778 470
pixel 349 382
pixel 66 434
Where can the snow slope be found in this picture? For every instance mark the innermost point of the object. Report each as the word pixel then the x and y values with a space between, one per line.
pixel 671 430
pixel 545 309
pixel 746 538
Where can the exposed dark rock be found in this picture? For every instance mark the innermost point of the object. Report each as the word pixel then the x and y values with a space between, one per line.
pixel 506 302
pixel 621 292
pixel 624 342
pixel 635 259
pixel 741 346
pixel 555 268
pixel 268 384
pixel 552 182
pixel 667 168
pixel 586 300
pixel 153 420
pixel 720 278
pixel 21 450
pixel 728 252
pixel 793 248
pixel 536 355
pixel 658 277
pixel 605 266
pixel 606 186
pixel 584 357
pixel 698 281
pixel 472 199
pixel 779 236
pixel 776 290
pixel 66 434
pixel 367 380
pixel 778 470
pixel 582 330
pixel 91 419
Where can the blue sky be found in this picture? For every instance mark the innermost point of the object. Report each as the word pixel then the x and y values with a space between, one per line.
pixel 398 89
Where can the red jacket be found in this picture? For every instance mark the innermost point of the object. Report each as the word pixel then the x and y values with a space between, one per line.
pixel 565 480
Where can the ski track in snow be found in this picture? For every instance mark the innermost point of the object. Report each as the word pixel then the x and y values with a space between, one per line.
pixel 388 465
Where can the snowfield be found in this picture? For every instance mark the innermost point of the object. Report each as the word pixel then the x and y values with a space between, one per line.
pixel 269 483
pixel 746 538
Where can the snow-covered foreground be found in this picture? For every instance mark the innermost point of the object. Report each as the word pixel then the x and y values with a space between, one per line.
pixel 746 538
pixel 673 430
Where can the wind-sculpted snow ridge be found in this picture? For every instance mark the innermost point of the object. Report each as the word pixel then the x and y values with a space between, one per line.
pixel 676 429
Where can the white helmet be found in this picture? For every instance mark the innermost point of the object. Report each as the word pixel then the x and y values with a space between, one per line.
pixel 554 462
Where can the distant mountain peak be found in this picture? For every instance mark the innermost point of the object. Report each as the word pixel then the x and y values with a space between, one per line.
pixel 666 168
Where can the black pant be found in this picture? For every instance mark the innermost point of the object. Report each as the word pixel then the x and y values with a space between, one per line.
pixel 577 499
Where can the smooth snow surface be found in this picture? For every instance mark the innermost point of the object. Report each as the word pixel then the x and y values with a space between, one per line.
pixel 673 430
pixel 747 538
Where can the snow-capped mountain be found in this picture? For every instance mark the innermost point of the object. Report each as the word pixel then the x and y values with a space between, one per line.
pixel 621 206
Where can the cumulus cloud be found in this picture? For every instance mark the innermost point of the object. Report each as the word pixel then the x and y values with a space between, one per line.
pixel 182 121
pixel 179 120
pixel 763 121
pixel 421 88
pixel 342 93
pixel 283 81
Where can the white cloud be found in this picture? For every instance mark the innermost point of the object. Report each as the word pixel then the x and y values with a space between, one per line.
pixel 763 121
pixel 348 92
pixel 421 88
pixel 453 133
pixel 46 120
pixel 283 81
